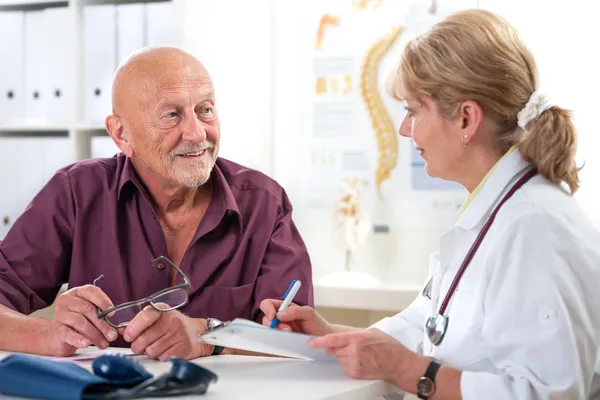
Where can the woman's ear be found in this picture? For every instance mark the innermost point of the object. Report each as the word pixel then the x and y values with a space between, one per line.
pixel 114 127
pixel 470 115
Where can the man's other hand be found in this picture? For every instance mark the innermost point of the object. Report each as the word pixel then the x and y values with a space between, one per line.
pixel 162 335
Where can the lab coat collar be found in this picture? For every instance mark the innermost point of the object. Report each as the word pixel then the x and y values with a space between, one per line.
pixel 497 183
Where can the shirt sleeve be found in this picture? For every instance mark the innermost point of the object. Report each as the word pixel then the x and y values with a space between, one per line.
pixel 286 258
pixel 407 326
pixel 541 313
pixel 35 254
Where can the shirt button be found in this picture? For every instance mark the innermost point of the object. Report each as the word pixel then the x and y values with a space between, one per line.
pixel 160 266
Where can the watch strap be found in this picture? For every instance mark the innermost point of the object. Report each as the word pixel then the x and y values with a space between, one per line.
pixel 211 324
pixel 430 374
pixel 217 350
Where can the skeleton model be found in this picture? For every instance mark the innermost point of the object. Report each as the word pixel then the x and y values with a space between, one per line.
pixel 351 222
pixel 352 227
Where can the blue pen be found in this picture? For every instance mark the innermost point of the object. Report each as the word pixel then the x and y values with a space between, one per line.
pixel 288 297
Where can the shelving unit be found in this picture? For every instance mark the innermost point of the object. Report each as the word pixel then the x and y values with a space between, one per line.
pixel 34 131
pixel 41 142
pixel 31 4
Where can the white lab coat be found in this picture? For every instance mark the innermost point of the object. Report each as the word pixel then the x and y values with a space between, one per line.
pixel 524 322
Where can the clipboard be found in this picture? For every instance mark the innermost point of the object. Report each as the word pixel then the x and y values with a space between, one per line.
pixel 248 335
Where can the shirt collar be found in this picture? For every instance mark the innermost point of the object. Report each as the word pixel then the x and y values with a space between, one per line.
pixel 129 177
pixel 489 192
pixel 222 197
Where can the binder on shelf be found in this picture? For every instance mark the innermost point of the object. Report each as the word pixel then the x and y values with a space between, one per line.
pixel 99 60
pixel 30 169
pixel 36 100
pixel 103 146
pixel 37 159
pixel 160 24
pixel 57 55
pixel 130 30
pixel 55 154
pixel 12 79
pixel 10 149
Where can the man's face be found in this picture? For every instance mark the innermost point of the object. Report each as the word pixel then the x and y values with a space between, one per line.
pixel 173 128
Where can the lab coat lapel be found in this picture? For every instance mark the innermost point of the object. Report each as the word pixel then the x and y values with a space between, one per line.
pixel 500 181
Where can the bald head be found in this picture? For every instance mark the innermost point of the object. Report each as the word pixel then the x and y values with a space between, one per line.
pixel 152 69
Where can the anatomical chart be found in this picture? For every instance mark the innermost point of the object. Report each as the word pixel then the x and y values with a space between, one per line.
pixel 355 146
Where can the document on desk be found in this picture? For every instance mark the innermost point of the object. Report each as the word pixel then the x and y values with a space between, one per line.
pixel 248 335
pixel 90 354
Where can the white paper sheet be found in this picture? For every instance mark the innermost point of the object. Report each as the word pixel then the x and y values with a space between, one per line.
pixel 91 353
pixel 247 335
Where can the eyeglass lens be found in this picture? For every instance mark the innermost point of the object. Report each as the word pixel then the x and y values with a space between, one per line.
pixel 165 301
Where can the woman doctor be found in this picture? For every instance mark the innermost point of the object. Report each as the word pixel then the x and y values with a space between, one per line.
pixel 511 309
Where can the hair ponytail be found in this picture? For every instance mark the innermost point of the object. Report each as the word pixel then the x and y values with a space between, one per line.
pixel 477 55
pixel 550 143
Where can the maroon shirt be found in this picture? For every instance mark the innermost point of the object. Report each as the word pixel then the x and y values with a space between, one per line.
pixel 95 217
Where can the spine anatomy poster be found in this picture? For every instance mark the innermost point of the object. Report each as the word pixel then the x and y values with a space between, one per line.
pixel 355 179
pixel 355 140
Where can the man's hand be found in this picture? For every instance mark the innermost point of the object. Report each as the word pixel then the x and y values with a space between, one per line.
pixel 162 335
pixel 75 324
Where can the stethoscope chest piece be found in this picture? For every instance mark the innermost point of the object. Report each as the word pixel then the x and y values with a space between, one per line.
pixel 436 327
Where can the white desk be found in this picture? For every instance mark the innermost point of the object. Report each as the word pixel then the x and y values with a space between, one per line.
pixel 246 377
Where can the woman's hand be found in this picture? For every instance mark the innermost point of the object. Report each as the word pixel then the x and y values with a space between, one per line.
pixel 295 318
pixel 373 354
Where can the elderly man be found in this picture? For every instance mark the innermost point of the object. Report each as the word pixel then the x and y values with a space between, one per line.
pixel 166 213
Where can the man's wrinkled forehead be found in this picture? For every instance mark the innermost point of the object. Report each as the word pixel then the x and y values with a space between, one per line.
pixel 177 95
pixel 149 88
pixel 146 75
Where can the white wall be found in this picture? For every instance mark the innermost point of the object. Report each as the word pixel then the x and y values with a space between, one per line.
pixel 562 36
pixel 233 39
pixel 263 105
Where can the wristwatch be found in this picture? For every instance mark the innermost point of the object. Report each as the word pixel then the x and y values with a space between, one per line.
pixel 426 384
pixel 212 323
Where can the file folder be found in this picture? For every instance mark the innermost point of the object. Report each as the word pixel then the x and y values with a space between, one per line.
pixel 130 30
pixel 160 23
pixel 58 56
pixel 36 100
pixel 103 147
pixel 99 61
pixel 12 78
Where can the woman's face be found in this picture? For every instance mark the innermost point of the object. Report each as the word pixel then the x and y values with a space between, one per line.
pixel 438 139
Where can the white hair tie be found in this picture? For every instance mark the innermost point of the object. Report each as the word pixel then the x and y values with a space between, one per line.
pixel 535 106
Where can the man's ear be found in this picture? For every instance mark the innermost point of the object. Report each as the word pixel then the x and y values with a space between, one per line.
pixel 470 118
pixel 117 133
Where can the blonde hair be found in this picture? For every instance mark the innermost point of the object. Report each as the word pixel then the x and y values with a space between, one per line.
pixel 477 55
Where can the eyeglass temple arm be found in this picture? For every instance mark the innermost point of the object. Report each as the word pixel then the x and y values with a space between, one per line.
pixel 163 258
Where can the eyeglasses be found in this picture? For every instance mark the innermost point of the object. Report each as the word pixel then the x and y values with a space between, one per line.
pixel 168 299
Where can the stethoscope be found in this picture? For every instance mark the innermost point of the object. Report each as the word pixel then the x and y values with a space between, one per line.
pixel 437 325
